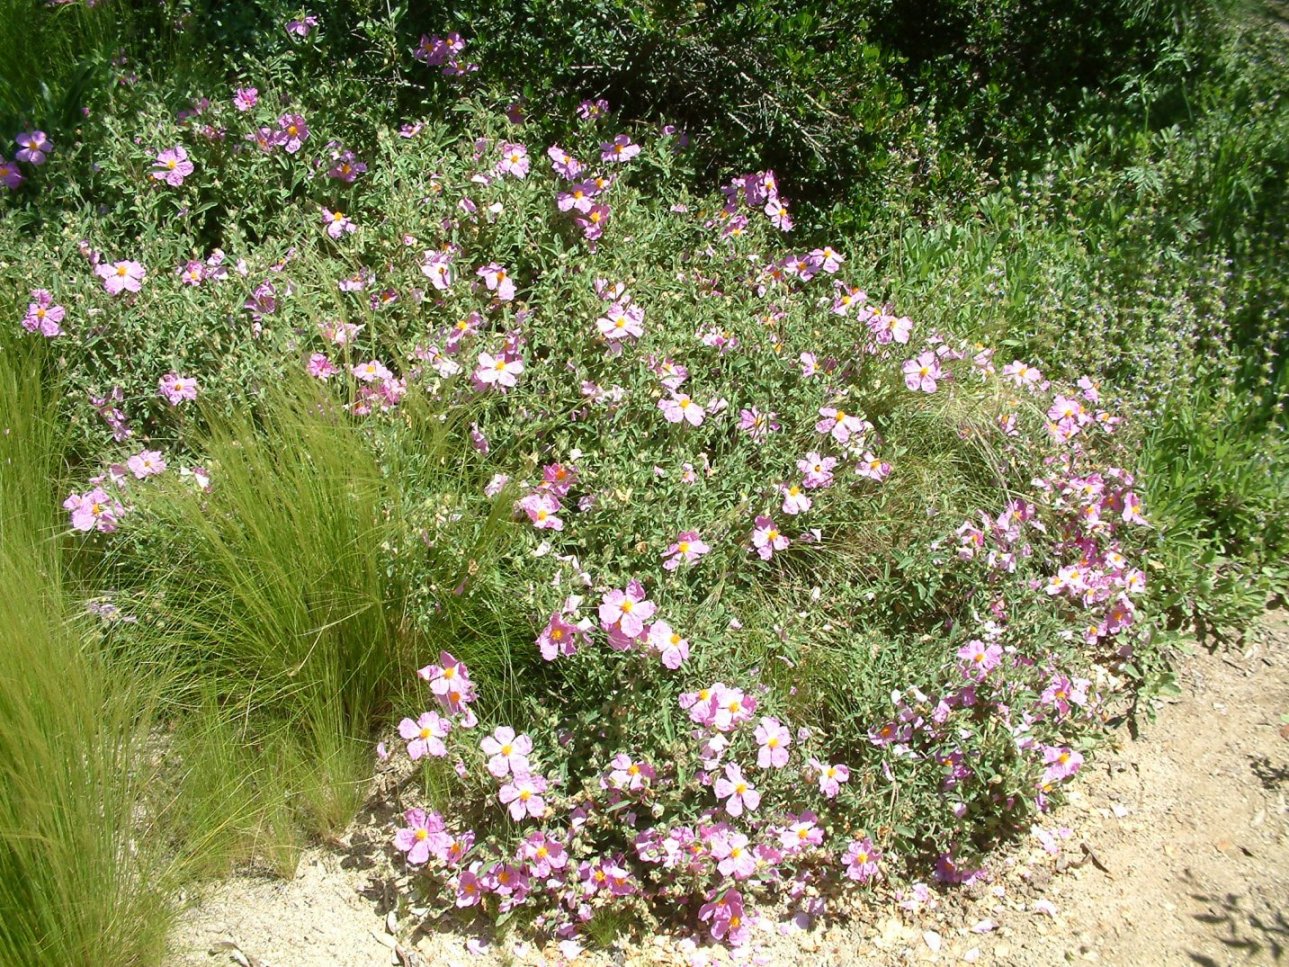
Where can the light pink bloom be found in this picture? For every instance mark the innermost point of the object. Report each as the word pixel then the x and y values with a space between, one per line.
pixel 172 166
pixel 687 549
pixel 95 510
pixel 508 753
pixel 514 160
pixel 544 854
pixel 497 280
pixel 370 372
pixel 872 468
pixel 419 836
pixel 501 371
pixel 840 424
pixel 795 500
pixel 681 408
pixel 42 315
pixel 523 794
pixel 124 276
pixel 861 860
pixel 923 372
pixel 619 149
pixel 541 508
pixel 774 739
pixel 671 647
pixel 565 165
pixel 146 463
pixel 176 389
pixel 817 470
pixel 831 776
pixel 733 855
pixel 293 131
pixel 737 791
pixel 727 917
pixel 33 148
pixel 621 321
pixel 1061 763
pixel 767 538
pixel 979 659
pixel 756 424
pixel 337 223
pixel 628 609
pixel 630 775
pixel 437 267
pixel 245 98
pixel 559 637
pixel 320 367
pixel 425 735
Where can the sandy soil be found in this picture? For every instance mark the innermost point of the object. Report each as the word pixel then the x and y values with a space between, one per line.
pixel 1173 849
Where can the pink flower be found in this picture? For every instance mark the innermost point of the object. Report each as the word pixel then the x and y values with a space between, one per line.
pixel 293 131
pixel 840 424
pixel 565 165
pixel 861 860
pixel 450 684
pixel 774 739
pixel 508 753
pixel 245 98
pixel 978 660
pixel 123 276
pixel 872 468
pixel 420 834
pixel 320 367
pixel 681 408
pixel 923 372
pixel 726 915
pixel 738 792
pixel 803 831
pixel 346 167
pixel 619 149
pixel 630 775
pixel 831 776
pixel 172 166
pixel 95 510
pixel 497 280
pixel 559 637
pixel 827 259
pixel 437 267
pixel 734 857
pixel 10 175
pixel 337 223
pixel 621 321
pixel 795 500
pixel 372 371
pixel 541 508
pixel 146 463
pixel 756 424
pixel 33 147
pixel 593 222
pixel 544 854
pixel 42 315
pixel 425 736
pixel 673 649
pixel 767 538
pixel 578 197
pixel 500 371
pixel 687 549
pixel 817 470
pixel 627 609
pixel 1061 763
pixel 523 794
pixel 514 160
pixel 176 389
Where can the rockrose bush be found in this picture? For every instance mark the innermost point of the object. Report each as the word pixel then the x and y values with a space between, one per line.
pixel 799 596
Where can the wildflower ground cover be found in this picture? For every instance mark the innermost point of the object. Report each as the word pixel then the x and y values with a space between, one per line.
pixel 693 558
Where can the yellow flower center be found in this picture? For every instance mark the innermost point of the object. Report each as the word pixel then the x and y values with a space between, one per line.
pixel 422 834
